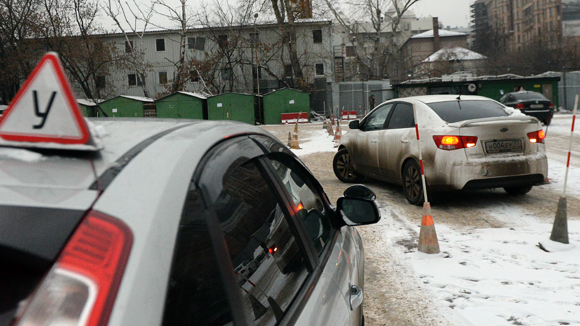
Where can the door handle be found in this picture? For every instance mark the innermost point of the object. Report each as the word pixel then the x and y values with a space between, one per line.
pixel 356 297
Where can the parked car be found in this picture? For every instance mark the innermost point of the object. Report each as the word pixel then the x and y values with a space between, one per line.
pixel 467 143
pixel 531 103
pixel 145 231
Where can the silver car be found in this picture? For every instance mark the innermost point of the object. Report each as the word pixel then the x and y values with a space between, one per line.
pixel 157 226
pixel 467 143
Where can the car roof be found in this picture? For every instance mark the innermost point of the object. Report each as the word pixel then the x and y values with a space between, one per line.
pixel 67 172
pixel 444 97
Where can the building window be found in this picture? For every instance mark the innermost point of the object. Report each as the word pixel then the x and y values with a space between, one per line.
pixel 317 36
pixel 226 73
pixel 100 82
pixel 191 43
pixel 320 68
pixel 160 44
pixel 163 77
pixel 288 70
pixel 193 76
pixel 128 46
pixel 254 38
pixel 222 40
pixel 135 80
pixel 350 51
pixel 200 43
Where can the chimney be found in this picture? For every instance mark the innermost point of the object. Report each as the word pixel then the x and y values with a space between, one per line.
pixel 435 34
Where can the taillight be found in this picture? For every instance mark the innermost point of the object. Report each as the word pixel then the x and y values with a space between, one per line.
pixel 272 249
pixel 537 136
pixel 450 142
pixel 520 106
pixel 551 106
pixel 81 287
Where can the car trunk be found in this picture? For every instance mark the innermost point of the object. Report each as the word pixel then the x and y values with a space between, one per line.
pixel 499 138
pixel 537 105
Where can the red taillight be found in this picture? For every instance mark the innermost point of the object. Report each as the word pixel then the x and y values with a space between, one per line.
pixel 272 249
pixel 450 142
pixel 520 106
pixel 81 287
pixel 551 106
pixel 537 136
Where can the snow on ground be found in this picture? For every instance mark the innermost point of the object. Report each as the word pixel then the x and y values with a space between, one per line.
pixel 494 276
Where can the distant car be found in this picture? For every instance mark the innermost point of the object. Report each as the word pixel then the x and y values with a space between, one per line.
pixel 151 230
pixel 467 142
pixel 531 103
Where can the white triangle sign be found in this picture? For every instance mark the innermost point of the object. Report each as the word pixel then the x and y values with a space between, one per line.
pixel 45 109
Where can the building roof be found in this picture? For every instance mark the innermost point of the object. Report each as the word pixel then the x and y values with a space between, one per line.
pixel 456 52
pixel 442 33
pixel 87 102
pixel 138 98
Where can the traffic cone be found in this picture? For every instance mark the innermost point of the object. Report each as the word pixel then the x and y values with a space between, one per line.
pixel 337 134
pixel 428 242
pixel 560 227
pixel 294 141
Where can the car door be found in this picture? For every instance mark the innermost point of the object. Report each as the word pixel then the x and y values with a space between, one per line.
pixel 397 140
pixel 364 151
pixel 337 256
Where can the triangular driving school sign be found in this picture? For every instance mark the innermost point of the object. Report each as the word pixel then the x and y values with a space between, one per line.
pixel 44 110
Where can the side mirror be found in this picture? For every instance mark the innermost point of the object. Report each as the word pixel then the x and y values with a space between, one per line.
pixel 358 207
pixel 353 124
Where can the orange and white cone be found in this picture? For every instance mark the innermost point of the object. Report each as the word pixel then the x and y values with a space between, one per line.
pixel 337 134
pixel 294 141
pixel 428 242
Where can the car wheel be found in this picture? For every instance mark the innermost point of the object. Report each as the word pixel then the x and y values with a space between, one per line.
pixel 522 190
pixel 412 184
pixel 343 169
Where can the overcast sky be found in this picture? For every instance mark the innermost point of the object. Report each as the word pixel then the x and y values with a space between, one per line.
pixel 450 12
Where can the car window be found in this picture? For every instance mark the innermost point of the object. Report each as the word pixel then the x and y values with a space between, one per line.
pixel 402 117
pixel 376 120
pixel 523 96
pixel 195 293
pixel 308 204
pixel 454 111
pixel 269 263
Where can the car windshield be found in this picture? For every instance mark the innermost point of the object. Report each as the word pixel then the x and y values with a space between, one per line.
pixel 529 96
pixel 454 111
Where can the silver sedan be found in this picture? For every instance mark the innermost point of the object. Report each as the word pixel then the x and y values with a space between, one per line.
pixel 467 143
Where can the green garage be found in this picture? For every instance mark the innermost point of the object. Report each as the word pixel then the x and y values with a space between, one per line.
pixel 232 106
pixel 284 100
pixel 182 105
pixel 129 106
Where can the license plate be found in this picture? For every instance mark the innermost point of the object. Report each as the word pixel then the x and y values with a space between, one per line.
pixel 537 106
pixel 504 146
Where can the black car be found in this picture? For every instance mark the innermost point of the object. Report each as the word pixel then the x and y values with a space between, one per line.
pixel 531 103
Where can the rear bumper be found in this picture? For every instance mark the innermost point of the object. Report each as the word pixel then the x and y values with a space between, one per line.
pixel 541 115
pixel 491 173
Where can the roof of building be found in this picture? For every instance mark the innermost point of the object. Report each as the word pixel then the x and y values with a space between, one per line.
pixel 88 102
pixel 442 33
pixel 455 53
pixel 138 98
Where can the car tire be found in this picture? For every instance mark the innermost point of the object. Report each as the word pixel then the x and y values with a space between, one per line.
pixel 518 191
pixel 343 169
pixel 412 183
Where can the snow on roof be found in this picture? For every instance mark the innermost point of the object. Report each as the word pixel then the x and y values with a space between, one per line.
pixel 138 98
pixel 198 95
pixel 456 53
pixel 442 33
pixel 87 102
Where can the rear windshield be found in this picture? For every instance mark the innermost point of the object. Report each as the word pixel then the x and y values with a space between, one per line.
pixel 529 96
pixel 454 111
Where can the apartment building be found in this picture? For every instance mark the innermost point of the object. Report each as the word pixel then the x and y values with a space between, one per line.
pixel 245 59
pixel 519 23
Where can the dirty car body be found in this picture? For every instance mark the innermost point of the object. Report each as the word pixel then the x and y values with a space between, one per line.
pixel 467 143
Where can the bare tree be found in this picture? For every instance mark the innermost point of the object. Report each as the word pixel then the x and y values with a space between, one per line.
pixel 132 21
pixel 374 37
